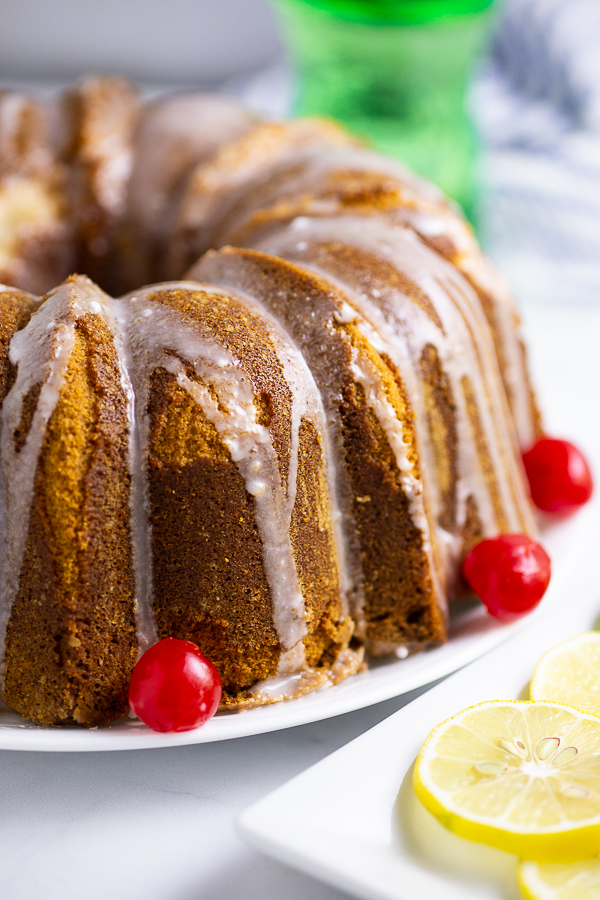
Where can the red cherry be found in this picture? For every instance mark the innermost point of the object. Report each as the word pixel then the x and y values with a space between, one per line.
pixel 173 687
pixel 559 476
pixel 510 574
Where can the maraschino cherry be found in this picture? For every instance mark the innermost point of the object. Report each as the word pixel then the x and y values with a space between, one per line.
pixel 510 574
pixel 174 687
pixel 560 480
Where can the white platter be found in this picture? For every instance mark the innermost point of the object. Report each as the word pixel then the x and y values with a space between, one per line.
pixel 472 633
pixel 353 820
pixel 570 387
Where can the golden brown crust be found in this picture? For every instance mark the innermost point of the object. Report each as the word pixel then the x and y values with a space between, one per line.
pixel 209 581
pixel 210 584
pixel 398 584
pixel 101 116
pixel 246 337
pixel 71 639
pixel 70 643
pixel 213 189
pixel 314 551
pixel 483 455
pixel 16 308
pixel 304 190
pixel 440 409
pixel 400 601
pixel 353 264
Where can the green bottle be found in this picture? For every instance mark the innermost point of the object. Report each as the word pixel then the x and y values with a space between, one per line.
pixel 396 72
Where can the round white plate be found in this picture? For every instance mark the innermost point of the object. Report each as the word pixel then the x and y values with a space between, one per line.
pixel 472 633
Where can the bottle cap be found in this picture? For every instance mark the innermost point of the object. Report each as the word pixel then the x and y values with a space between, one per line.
pixel 397 12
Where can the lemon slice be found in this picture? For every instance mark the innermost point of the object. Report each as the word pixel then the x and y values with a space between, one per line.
pixel 521 776
pixel 560 881
pixel 570 673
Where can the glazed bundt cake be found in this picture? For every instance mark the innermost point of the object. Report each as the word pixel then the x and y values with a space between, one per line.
pixel 283 457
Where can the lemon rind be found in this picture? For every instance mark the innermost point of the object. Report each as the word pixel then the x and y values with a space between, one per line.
pixel 529 891
pixel 558 844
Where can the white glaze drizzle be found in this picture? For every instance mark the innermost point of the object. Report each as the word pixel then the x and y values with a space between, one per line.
pixel 174 133
pixel 304 173
pixel 214 188
pixel 144 331
pixel 117 318
pixel 473 263
pixel 20 468
pixel 291 687
pixel 421 206
pixel 473 355
pixel 399 438
pixel 367 376
pixel 154 330
pixel 230 274
pixel 308 402
pixel 41 351
pixel 386 338
pixel 422 496
pixel 406 329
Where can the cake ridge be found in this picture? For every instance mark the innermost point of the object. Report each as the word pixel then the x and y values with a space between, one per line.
pixel 323 318
pixel 282 455
pixel 248 442
pixel 356 181
pixel 383 243
pixel 19 464
pixel 148 335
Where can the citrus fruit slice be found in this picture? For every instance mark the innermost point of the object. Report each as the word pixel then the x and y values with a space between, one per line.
pixel 521 776
pixel 570 673
pixel 560 881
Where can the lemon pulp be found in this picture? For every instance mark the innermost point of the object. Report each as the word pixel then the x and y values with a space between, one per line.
pixel 570 673
pixel 560 881
pixel 521 776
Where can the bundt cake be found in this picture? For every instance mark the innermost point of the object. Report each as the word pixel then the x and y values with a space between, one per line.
pixel 283 457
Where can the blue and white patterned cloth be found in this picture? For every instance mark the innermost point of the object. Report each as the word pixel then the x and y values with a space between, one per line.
pixel 538 106
pixel 537 102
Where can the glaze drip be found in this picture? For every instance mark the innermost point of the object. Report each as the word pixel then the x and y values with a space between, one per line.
pixel 404 328
pixel 41 353
pixel 161 337
pixel 149 335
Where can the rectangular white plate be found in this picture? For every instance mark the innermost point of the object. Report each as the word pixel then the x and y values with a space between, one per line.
pixel 353 821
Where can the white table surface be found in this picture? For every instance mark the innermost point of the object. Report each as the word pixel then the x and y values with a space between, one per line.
pixel 158 824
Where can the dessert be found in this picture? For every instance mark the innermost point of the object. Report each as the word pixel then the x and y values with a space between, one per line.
pixel 36 238
pixel 283 451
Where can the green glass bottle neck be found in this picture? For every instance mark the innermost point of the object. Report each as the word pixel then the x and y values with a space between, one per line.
pixel 396 12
